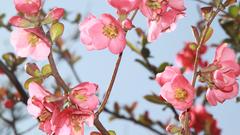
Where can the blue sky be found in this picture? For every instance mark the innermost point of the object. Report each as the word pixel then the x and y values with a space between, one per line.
pixel 132 82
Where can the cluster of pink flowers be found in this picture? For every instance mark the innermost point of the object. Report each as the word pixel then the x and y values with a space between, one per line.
pixel 63 115
pixel 201 120
pixel 221 76
pixel 187 56
pixel 108 32
pixel 28 39
pixel 175 88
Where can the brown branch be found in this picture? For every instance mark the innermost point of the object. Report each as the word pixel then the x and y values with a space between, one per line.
pixel 114 75
pixel 15 82
pixel 56 75
pixel 100 127
pixel 131 119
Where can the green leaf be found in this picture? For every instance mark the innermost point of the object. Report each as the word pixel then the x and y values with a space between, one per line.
pixel 46 70
pixel 162 67
pixel 111 132
pixel 9 58
pixel 32 79
pixel 32 69
pixel 56 31
pixel 155 99
pixel 208 34
pixel 233 10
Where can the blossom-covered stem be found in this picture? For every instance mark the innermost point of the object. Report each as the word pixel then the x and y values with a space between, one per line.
pixel 200 43
pixel 15 82
pixel 101 108
pixel 100 127
pixel 56 75
pixel 195 71
pixel 117 115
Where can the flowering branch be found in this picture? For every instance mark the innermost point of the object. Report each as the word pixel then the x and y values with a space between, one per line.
pixel 117 115
pixel 56 75
pixel 101 108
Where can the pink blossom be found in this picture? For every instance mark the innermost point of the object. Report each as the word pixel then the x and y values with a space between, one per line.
pixel 105 32
pixel 167 75
pixel 53 15
pixel 222 84
pixel 201 120
pixel 175 88
pixel 71 121
pixel 28 44
pixel 162 15
pixel 187 56
pixel 28 6
pixel 125 6
pixel 84 96
pixel 40 108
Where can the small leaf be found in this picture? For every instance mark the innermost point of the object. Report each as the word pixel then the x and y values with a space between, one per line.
pixel 206 12
pixel 145 52
pixel 116 107
pixel 33 79
pixel 111 132
pixel 208 34
pixel 9 58
pixel 229 2
pixel 162 67
pixel 195 33
pixel 234 11
pixel 46 70
pixel 155 99
pixel 56 31
pixel 18 21
pixel 32 69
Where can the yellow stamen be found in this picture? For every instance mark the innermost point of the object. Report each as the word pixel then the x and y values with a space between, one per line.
pixel 33 39
pixel 181 94
pixel 110 31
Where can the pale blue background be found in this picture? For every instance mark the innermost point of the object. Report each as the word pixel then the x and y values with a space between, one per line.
pixel 132 81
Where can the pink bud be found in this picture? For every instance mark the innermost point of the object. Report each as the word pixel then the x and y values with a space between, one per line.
pixel 28 6
pixel 53 15
pixel 21 22
pixel 127 24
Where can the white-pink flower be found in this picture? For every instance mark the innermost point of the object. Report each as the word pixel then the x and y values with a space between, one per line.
pixel 105 32
pixel 223 84
pixel 175 88
pixel 162 15
pixel 29 44
pixel 125 6
pixel 84 95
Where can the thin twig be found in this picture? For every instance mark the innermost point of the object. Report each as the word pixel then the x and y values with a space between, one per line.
pixel 56 75
pixel 117 115
pixel 101 108
pixel 15 82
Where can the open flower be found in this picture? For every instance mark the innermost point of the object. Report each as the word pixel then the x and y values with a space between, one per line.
pixel 29 44
pixel 175 88
pixel 125 6
pixel 221 76
pixel 71 121
pixel 84 95
pixel 28 6
pixel 40 108
pixel 162 15
pixel 187 56
pixel 201 120
pixel 105 32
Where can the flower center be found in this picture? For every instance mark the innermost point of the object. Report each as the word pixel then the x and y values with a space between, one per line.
pixel 33 39
pixel 181 94
pixel 44 115
pixel 110 31
pixel 81 97
pixel 153 4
